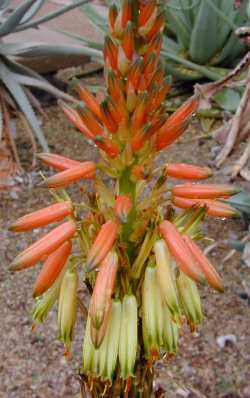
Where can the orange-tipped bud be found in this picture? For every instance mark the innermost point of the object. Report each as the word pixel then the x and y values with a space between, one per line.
pixel 90 121
pixel 89 99
pixel 132 98
pixel 180 251
pixel 85 170
pixel 139 139
pixel 123 62
pixel 159 75
pixel 154 46
pixel 208 191
pixel 139 115
pixel 145 12
pixel 175 124
pixel 107 146
pixel 44 246
pixel 110 53
pixel 138 172
pixel 74 117
pixel 187 171
pixel 128 44
pixel 104 287
pixel 157 26
pixel 107 118
pixel 113 12
pixel 215 208
pixel 147 26
pixel 39 218
pixel 160 95
pixel 123 206
pixel 51 269
pixel 135 73
pixel 115 88
pixel 58 162
pixel 97 335
pixel 126 12
pixel 117 111
pixel 102 244
pixel 207 268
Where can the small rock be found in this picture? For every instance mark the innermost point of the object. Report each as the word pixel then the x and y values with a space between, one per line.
pixel 227 340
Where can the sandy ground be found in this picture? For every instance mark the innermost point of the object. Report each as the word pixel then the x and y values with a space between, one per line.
pixel 32 364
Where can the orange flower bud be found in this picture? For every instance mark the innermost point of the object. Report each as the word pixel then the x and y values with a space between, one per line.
pixel 139 115
pixel 104 287
pixel 89 99
pixel 145 12
pixel 175 124
pixel 107 146
pixel 117 111
pixel 126 12
pixel 128 41
pixel 207 268
pixel 215 208
pixel 208 191
pixel 132 98
pixel 115 88
pixel 74 117
pixel 157 26
pixel 58 162
pixel 51 269
pixel 107 118
pixel 44 246
pixel 140 138
pixel 110 53
pixel 123 62
pixel 39 218
pixel 85 170
pixel 180 251
pixel 187 171
pixel 90 121
pixel 138 172
pixel 113 12
pixel 102 244
pixel 123 206
pixel 135 73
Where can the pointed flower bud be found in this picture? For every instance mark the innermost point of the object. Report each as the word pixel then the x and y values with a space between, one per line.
pixel 147 26
pixel 42 217
pixel 170 335
pixel 103 290
pixel 123 206
pixel 67 307
pixel 74 117
pixel 52 269
pixel 126 12
pixel 102 244
pixel 97 335
pixel 113 12
pixel 146 11
pixel 107 354
pixel 208 191
pixel 44 246
pixel 135 72
pixel 157 26
pixel 115 88
pixel 152 314
pixel 187 171
pixel 214 208
pixel 110 53
pixel 58 162
pixel 123 62
pixel 85 170
pixel 180 251
pixel 89 99
pixel 90 121
pixel 107 118
pixel 190 299
pixel 165 276
pixel 128 41
pixel 128 336
pixel 175 124
pixel 207 268
pixel 139 115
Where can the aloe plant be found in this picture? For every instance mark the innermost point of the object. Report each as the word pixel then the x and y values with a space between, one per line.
pixel 16 79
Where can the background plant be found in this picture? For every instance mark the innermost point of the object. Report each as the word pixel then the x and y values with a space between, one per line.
pixel 16 80
pixel 136 253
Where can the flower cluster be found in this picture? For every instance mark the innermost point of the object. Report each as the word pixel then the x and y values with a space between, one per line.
pixel 137 250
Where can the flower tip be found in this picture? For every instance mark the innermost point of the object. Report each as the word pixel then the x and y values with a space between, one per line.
pixel 15 265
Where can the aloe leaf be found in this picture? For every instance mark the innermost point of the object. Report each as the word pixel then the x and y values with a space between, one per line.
pixel 228 99
pixel 241 202
pixel 181 72
pixel 23 103
pixel 32 11
pixel 179 23
pixel 49 17
pixel 204 37
pixel 92 44
pixel 98 21
pixel 15 17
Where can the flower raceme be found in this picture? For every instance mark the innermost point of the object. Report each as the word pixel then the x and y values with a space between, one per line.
pixel 134 230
